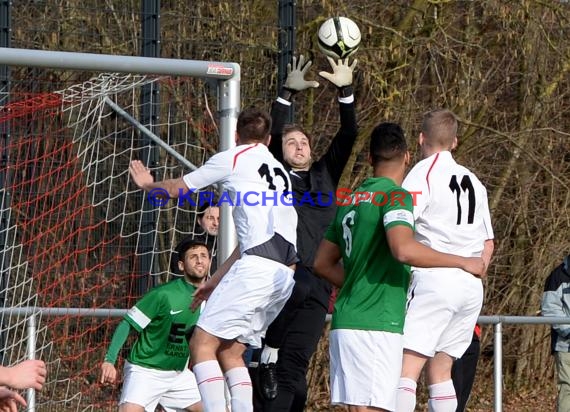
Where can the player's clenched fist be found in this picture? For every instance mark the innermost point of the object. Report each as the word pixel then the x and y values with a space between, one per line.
pixel 108 373
pixel 476 266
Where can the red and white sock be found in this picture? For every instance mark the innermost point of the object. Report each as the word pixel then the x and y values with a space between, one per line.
pixel 406 396
pixel 211 385
pixel 239 383
pixel 442 397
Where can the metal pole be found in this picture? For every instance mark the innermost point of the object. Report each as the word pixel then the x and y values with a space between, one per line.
pixel 498 367
pixel 229 107
pixel 5 38
pixel 149 134
pixel 118 64
pixel 31 392
pixel 86 312
pixel 286 44
pixel 150 99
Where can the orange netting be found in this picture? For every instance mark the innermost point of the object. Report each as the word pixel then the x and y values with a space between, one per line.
pixel 75 259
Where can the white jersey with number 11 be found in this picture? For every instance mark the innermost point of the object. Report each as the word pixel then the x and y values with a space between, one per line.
pixel 451 209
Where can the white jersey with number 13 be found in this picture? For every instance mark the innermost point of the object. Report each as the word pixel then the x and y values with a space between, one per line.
pixel 252 169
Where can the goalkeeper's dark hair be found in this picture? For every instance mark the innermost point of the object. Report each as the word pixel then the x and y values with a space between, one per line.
pixel 253 125
pixel 387 142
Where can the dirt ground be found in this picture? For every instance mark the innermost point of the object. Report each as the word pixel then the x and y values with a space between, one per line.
pixel 536 400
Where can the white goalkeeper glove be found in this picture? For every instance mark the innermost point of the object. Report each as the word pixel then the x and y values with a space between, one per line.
pixel 296 72
pixel 342 72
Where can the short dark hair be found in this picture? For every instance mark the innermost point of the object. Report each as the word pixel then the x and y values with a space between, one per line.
pixel 253 125
pixel 387 142
pixel 440 127
pixel 187 243
pixel 206 204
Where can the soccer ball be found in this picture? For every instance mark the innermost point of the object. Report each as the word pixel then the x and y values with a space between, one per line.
pixel 339 37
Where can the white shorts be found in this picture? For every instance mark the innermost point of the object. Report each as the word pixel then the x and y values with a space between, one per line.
pixel 174 390
pixel 365 367
pixel 443 307
pixel 247 300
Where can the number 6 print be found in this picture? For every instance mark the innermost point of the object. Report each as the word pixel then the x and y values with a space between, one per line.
pixel 347 223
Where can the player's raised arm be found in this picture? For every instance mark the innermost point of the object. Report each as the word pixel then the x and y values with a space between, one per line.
pixel 294 83
pixel 340 148
pixel 144 180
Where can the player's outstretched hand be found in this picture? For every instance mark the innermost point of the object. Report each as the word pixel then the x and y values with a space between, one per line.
pixel 108 373
pixel 27 374
pixel 296 75
pixel 9 400
pixel 140 174
pixel 476 266
pixel 342 72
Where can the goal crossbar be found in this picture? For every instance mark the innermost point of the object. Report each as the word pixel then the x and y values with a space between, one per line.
pixel 227 75
pixel 120 64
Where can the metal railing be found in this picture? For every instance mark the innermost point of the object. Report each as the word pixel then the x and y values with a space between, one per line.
pixel 32 314
pixel 497 321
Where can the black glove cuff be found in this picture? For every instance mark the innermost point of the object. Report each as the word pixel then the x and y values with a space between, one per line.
pixel 345 91
pixel 287 93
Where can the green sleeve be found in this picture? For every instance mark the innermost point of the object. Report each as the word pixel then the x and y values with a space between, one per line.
pixel 399 209
pixel 146 309
pixel 119 338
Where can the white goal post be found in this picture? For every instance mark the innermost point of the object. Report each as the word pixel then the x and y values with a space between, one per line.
pixel 227 75
pixel 97 121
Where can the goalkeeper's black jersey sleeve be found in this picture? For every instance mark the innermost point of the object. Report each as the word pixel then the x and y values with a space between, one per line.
pixel 315 190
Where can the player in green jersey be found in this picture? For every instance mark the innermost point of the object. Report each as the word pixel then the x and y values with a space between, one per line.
pixel 156 370
pixel 373 234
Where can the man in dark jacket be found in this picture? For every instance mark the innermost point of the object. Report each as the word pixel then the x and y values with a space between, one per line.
pixel 207 224
pixel 464 369
pixel 556 302
pixel 293 337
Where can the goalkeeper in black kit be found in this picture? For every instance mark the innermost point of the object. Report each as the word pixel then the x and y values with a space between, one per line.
pixel 293 337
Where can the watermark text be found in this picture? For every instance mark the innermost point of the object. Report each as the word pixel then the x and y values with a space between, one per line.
pixel 341 197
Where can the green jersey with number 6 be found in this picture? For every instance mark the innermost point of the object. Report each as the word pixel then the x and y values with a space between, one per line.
pixel 373 295
pixel 163 318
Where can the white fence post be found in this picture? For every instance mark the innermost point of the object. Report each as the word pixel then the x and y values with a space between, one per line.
pixel 31 392
pixel 498 367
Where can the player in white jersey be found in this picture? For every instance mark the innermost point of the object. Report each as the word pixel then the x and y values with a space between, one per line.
pixel 451 215
pixel 245 295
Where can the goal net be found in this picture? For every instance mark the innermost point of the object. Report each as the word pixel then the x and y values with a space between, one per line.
pixel 77 232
